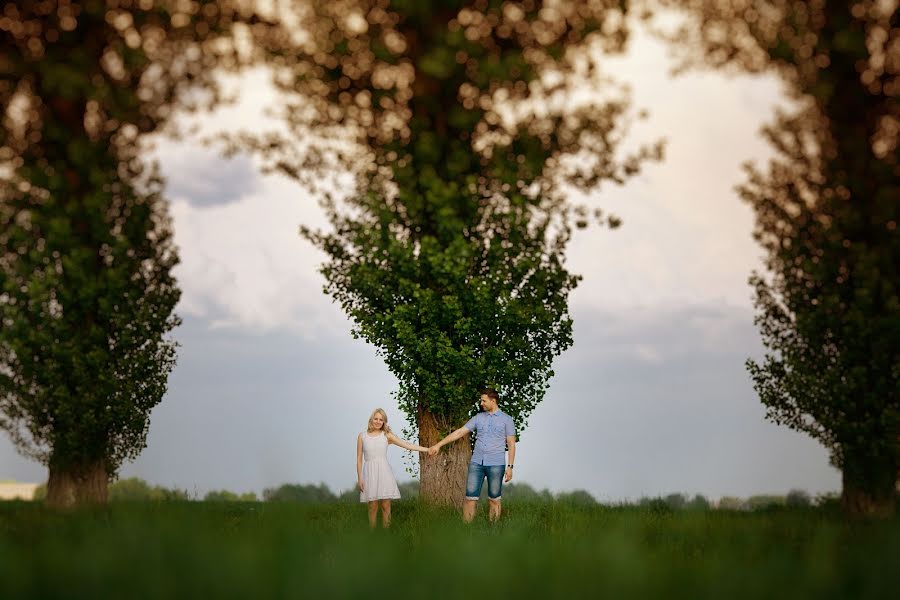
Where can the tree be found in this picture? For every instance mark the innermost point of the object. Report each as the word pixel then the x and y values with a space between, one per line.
pixel 577 498
pixel 133 489
pixel 797 499
pixel 698 502
pixel 731 503
pixel 523 492
pixel 676 501
pixel 765 502
pixel 228 496
pixel 461 126
pixel 299 493
pixel 826 214
pixel 86 253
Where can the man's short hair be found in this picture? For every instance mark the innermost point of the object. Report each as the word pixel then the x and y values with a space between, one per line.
pixel 491 393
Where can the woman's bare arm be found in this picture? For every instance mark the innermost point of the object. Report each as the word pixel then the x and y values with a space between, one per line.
pixel 359 462
pixel 461 432
pixel 393 439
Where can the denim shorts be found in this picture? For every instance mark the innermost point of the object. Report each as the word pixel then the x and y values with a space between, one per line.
pixel 475 479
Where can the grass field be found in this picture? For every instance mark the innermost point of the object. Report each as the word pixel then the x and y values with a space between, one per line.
pixel 552 550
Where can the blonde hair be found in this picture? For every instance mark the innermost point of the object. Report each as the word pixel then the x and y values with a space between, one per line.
pixel 384 427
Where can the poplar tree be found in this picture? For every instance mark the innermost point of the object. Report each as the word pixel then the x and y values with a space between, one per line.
pixel 464 135
pixel 86 254
pixel 826 210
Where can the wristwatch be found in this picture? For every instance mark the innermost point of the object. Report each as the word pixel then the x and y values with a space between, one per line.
pixel 509 466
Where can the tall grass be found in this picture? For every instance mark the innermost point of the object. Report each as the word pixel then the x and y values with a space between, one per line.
pixel 550 549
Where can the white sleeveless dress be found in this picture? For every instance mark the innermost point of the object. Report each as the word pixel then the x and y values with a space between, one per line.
pixel 378 479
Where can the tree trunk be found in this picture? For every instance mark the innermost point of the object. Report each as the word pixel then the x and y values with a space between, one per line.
pixel 85 483
pixel 443 476
pixel 869 485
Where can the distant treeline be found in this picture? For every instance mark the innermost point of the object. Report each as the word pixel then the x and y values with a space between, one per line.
pixel 136 489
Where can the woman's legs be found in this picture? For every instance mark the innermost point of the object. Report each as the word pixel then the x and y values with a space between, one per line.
pixel 373 513
pixel 386 513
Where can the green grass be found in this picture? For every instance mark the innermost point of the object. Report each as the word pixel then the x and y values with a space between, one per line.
pixel 246 550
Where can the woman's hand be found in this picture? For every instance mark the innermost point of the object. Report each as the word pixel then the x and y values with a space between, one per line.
pixel 362 488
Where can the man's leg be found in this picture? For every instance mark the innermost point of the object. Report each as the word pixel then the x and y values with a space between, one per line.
pixel 495 487
pixel 474 480
pixel 495 510
pixel 373 513
pixel 386 513
pixel 469 510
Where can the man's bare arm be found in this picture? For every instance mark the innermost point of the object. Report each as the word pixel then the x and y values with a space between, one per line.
pixel 511 444
pixel 459 433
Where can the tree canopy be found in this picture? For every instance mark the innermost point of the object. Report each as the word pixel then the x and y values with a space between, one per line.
pixel 466 127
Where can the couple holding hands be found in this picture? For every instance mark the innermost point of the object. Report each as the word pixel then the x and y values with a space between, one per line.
pixel 495 432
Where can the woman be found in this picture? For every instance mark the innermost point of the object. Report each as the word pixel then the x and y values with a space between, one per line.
pixel 377 485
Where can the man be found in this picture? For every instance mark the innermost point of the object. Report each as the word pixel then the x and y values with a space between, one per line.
pixel 495 431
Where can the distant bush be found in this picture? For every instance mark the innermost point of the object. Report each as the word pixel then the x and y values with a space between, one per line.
pixel 674 502
pixel 524 492
pixel 135 489
pixel 829 501
pixel 731 503
pixel 698 502
pixel 132 489
pixel 227 496
pixel 576 498
pixel 797 499
pixel 655 505
pixel 764 502
pixel 299 493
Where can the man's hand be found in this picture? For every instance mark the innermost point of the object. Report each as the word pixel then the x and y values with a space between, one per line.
pixel 433 450
pixel 508 475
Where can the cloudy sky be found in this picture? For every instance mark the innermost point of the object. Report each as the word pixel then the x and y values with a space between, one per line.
pixel 653 397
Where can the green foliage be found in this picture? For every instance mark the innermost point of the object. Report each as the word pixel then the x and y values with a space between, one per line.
pixel 730 503
pixel 797 499
pixel 130 489
pixel 517 491
pixel 307 493
pixel 40 493
pixel 698 502
pixel 540 550
pixel 135 489
pixel 577 498
pixel 682 502
pixel 227 496
pixel 764 502
pixel 86 252
pixel 448 253
pixel 86 298
pixel 826 214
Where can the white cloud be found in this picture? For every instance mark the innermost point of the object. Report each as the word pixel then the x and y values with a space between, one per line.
pixel 686 237
pixel 245 265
